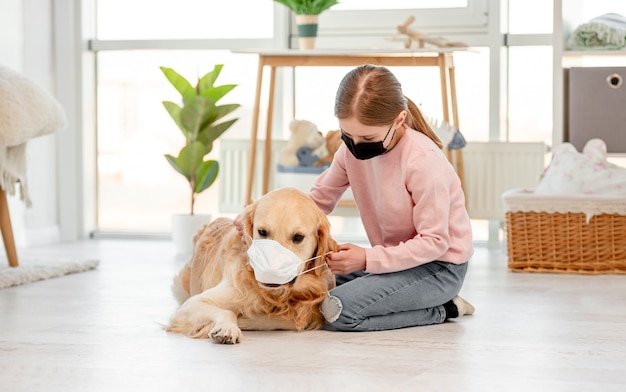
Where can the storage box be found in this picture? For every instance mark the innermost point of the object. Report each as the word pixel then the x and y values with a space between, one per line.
pixel 580 234
pixel 596 101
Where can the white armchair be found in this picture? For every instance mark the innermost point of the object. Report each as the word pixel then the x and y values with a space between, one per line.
pixel 26 111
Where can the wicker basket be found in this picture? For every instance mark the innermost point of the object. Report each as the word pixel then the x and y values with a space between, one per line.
pixel 580 234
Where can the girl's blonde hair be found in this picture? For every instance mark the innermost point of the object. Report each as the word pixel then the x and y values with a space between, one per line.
pixel 373 95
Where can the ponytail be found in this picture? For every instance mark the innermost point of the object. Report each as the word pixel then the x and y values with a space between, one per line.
pixel 416 121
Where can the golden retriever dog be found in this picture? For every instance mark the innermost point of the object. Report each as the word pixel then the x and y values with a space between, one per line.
pixel 217 288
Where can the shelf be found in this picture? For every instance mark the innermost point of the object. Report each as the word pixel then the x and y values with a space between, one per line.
pixel 599 53
pixel 567 16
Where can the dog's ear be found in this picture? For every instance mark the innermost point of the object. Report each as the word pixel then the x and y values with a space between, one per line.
pixel 325 243
pixel 248 218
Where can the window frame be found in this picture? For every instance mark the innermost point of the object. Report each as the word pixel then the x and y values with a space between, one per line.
pixel 476 19
pixel 473 18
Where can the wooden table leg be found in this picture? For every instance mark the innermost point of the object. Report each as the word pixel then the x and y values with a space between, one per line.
pixel 268 131
pixel 449 104
pixel 443 76
pixel 458 154
pixel 7 230
pixel 452 81
pixel 254 132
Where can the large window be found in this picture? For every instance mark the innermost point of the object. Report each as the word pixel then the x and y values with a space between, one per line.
pixel 363 17
pixel 398 4
pixel 529 74
pixel 137 191
pixel 183 19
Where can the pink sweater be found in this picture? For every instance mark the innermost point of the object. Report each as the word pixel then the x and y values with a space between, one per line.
pixel 410 201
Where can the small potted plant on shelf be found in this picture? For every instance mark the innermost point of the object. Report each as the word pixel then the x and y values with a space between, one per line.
pixel 307 12
pixel 200 119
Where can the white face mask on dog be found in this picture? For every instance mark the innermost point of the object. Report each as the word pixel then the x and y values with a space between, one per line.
pixel 274 264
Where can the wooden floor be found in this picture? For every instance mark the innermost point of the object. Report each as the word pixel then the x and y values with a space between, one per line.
pixel 101 331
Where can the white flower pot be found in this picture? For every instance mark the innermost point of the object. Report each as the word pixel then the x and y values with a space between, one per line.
pixel 184 228
pixel 307 30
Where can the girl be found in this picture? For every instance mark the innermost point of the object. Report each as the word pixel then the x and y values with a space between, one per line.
pixel 412 207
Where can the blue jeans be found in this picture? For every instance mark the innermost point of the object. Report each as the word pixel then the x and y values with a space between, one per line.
pixel 376 302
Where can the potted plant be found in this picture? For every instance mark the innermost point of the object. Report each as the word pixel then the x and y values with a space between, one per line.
pixel 200 119
pixel 307 12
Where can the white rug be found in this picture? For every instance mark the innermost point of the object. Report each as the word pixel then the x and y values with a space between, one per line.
pixel 35 270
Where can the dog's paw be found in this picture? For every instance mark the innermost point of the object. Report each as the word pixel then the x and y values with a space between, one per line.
pixel 226 333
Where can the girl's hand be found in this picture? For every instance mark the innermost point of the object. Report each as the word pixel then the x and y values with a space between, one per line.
pixel 350 258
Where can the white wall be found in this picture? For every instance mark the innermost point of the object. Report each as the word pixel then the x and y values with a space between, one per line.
pixel 11 33
pixel 26 47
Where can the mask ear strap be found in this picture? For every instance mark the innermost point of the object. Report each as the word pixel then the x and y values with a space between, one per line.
pixel 314 268
pixel 317 257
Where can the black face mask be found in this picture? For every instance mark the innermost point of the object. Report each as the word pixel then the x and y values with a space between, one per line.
pixel 366 150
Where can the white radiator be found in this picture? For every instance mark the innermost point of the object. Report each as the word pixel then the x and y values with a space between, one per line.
pixel 491 168
pixel 234 158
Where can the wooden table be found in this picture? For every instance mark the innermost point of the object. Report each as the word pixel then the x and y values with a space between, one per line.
pixel 441 58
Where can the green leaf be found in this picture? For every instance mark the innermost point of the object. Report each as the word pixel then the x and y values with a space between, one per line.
pixel 307 7
pixel 206 174
pixel 218 92
pixel 174 111
pixel 181 84
pixel 172 161
pixel 215 114
pixel 188 160
pixel 190 157
pixel 208 135
pixel 291 4
pixel 207 88
pixel 223 110
pixel 207 81
pixel 196 112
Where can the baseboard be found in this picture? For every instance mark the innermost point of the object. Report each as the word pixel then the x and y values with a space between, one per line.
pixel 27 237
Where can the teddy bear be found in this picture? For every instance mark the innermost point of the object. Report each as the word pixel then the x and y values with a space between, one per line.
pixel 304 136
pixel 333 141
